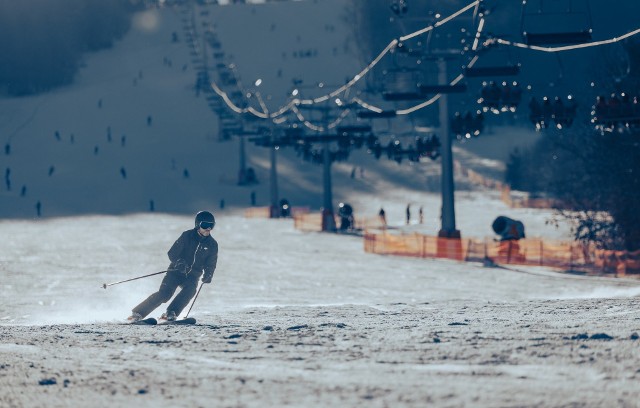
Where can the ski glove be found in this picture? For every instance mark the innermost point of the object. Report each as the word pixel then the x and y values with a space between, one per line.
pixel 180 266
pixel 207 278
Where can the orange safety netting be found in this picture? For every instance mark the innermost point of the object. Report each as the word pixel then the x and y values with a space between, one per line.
pixel 308 222
pixel 535 252
pixel 421 246
pixel 365 223
pixel 574 256
pixel 618 262
pixel 258 212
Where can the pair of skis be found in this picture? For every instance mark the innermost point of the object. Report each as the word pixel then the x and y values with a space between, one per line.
pixel 152 322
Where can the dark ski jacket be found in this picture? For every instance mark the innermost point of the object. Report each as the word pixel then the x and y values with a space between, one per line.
pixel 198 252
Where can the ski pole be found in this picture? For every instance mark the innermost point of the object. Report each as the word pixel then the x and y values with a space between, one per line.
pixel 105 285
pixel 194 300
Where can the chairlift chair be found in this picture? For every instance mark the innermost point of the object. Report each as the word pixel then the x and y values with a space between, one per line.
pixel 369 114
pixel 502 62
pixel 429 80
pixel 507 70
pixel 442 89
pixel 402 84
pixel 402 96
pixel 576 22
pixel 353 129
pixel 422 89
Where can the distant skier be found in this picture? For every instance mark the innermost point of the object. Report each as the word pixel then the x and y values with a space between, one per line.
pixel 193 255
pixel 7 178
pixel 383 217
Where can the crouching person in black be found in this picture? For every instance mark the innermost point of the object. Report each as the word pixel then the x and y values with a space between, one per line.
pixel 193 258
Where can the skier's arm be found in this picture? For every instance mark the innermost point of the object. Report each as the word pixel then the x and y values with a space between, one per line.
pixel 210 265
pixel 175 252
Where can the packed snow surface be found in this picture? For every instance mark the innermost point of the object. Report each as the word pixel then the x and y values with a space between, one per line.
pixel 301 319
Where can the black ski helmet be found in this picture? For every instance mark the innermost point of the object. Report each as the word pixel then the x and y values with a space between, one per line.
pixel 204 216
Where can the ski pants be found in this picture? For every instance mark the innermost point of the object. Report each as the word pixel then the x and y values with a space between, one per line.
pixel 170 283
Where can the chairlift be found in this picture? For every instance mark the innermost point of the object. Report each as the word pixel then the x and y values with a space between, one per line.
pixel 227 78
pixel 402 96
pixel 369 114
pixel 502 62
pixel 294 132
pixel 507 70
pixel 237 96
pixel 573 22
pixel 428 85
pixel 261 141
pixel 215 104
pixel 402 77
pixel 228 128
pixel 446 88
pixel 230 124
pixel 411 84
pixel 400 80
pixel 353 129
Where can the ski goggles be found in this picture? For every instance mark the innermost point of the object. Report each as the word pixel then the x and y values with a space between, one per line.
pixel 206 225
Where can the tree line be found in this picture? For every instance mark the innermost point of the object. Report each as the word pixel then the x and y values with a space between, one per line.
pixel 42 41
pixel 594 173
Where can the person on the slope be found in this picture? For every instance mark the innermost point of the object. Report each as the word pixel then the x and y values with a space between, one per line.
pixel 193 255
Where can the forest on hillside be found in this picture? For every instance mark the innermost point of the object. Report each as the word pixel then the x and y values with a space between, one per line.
pixel 42 41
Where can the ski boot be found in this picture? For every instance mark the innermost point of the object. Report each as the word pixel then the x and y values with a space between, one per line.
pixel 169 316
pixel 134 317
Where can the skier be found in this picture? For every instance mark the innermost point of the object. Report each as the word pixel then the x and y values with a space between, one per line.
pixel 383 217
pixel 192 254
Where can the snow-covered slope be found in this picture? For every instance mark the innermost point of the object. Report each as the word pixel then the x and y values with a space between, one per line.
pixel 299 319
